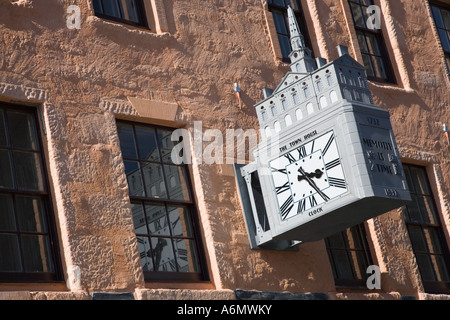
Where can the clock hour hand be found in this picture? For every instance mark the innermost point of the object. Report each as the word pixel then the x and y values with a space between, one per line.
pixel 312 184
pixel 317 174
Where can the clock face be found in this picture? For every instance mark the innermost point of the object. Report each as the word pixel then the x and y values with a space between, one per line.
pixel 308 176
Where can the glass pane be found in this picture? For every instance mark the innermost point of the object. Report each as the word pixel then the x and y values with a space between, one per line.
pixel 127 143
pixel 166 144
pixel 420 180
pixel 413 210
pixel 7 220
pixel 417 239
pixel 3 139
pixel 36 253
pixel 131 10
pixel 111 8
pixel 336 241
pixel 359 264
pixel 425 267
pixel 163 254
pixel 186 254
pixel 446 18
pixel 134 179
pixel 426 205
pixel 373 43
pixel 138 218
pixel 180 221
pixel 280 23
pixel 98 6
pixel 367 2
pixel 343 267
pixel 157 220
pixel 444 40
pixel 22 130
pixel 368 65
pixel 146 253
pixel 9 253
pixel 148 148
pixel 440 268
pixel 154 181
pixel 433 240
pixel 437 17
pixel 285 45
pixel 357 15
pixel 31 214
pixel 28 171
pixel 354 239
pixel 379 68
pixel 177 183
pixel 362 42
pixel 6 179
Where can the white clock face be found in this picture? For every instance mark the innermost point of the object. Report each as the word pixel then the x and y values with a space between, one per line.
pixel 308 176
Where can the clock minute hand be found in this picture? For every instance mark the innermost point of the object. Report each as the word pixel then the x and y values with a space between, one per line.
pixel 313 184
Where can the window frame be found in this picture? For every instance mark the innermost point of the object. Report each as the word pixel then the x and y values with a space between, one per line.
pixel 299 14
pixel 190 205
pixel 46 200
pixel 141 14
pixel 440 5
pixel 379 38
pixel 429 286
pixel 367 255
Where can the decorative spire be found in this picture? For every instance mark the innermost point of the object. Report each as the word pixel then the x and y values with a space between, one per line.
pixel 301 56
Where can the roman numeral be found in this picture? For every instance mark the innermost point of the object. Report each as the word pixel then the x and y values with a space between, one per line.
pixel 332 164
pixel 330 141
pixel 290 157
pixel 312 201
pixel 338 183
pixel 312 146
pixel 287 207
pixel 301 206
pixel 301 152
pixel 283 188
pixel 182 254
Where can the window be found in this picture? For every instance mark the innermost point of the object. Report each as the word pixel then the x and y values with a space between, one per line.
pixel 280 17
pixel 371 43
pixel 127 11
pixel 426 232
pixel 349 256
pixel 441 15
pixel 28 250
pixel 164 213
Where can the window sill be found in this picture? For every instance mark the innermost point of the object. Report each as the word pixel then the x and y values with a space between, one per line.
pixel 113 27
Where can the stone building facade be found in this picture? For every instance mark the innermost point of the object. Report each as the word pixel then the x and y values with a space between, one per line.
pixel 92 203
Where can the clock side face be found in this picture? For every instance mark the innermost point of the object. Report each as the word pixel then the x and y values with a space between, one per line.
pixel 308 176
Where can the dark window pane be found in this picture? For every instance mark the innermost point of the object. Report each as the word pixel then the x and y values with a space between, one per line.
pixel 358 15
pixel 31 214
pixel 446 18
pixel 437 17
pixel 285 45
pixel 176 178
pixel 186 255
pixel 420 181
pixel 148 148
pixel 372 42
pixel 97 6
pixel 359 264
pixel 444 40
pixel 154 181
pixel 158 225
pixel 7 220
pixel 111 8
pixel 36 253
pixel 163 254
pixel 180 222
pixel 414 214
pixel 27 168
pixel 127 143
pixel 280 23
pixel 336 241
pixel 139 218
pixel 146 253
pixel 362 42
pixel 428 212
pixel 440 268
pixel 417 239
pixel 9 253
pixel 166 144
pixel 433 242
pixel 343 267
pixel 22 130
pixel 425 267
pixel 380 71
pixel 131 11
pixel 6 179
pixel 368 64
pixel 134 178
pixel 3 139
pixel 354 241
